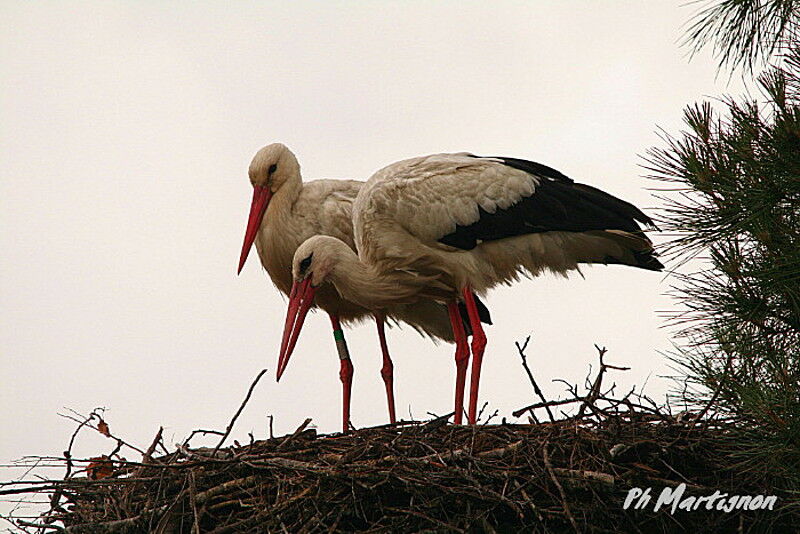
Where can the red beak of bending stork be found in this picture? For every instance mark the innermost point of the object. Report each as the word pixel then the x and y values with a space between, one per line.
pixel 261 198
pixel 301 298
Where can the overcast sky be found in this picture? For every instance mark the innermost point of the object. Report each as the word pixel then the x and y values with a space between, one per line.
pixel 125 138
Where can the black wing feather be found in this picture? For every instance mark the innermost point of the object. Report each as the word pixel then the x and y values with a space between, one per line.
pixel 557 204
pixel 531 167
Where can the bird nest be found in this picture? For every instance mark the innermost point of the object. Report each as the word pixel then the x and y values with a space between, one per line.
pixel 570 473
pixel 549 477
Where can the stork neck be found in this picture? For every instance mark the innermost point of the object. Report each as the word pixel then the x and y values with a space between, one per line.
pixel 280 207
pixel 278 236
pixel 360 283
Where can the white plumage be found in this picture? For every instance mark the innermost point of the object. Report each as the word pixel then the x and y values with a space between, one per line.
pixel 447 226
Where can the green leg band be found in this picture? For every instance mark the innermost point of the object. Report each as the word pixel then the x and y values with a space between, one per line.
pixel 341 345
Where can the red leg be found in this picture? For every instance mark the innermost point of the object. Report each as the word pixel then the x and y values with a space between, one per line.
pixel 345 371
pixel 387 371
pixel 346 376
pixel 462 357
pixel 478 346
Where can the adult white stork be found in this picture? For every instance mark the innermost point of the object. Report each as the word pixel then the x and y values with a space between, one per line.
pixel 284 212
pixel 448 226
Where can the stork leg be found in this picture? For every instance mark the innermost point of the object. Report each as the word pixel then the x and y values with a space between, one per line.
pixel 478 346
pixel 387 371
pixel 345 371
pixel 462 357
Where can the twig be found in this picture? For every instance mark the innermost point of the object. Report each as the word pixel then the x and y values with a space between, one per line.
pixel 536 388
pixel 435 423
pixel 294 435
pixel 148 455
pixel 483 408
pixel 594 392
pixel 546 404
pixel 553 477
pixel 68 452
pixel 201 431
pixel 491 416
pixel 56 497
pixel 23 523
pixel 593 476
pixel 238 412
pixel 433 520
pixel 193 502
pixel 107 434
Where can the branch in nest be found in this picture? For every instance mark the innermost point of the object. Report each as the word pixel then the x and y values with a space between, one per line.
pixel 239 411
pixel 536 389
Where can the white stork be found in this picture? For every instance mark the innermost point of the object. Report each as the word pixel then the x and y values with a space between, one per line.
pixel 284 213
pixel 448 226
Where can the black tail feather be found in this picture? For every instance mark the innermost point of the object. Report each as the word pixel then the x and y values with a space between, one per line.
pixel 645 260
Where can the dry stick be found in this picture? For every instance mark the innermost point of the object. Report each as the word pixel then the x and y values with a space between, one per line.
pixel 108 435
pixel 49 485
pixel 492 416
pixel 40 526
pixel 238 412
pixel 546 404
pixel 116 450
pixel 163 447
pixel 56 498
pixel 68 452
pixel 531 505
pixel 121 524
pixel 58 493
pixel 201 431
pixel 148 455
pixel 594 392
pixel 425 517
pixel 294 435
pixel 483 408
pixel 536 389
pixel 193 502
pixel 239 526
pixel 552 474
pixel 434 424
pixel 588 476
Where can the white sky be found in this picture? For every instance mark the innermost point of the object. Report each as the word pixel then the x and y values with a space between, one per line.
pixel 125 137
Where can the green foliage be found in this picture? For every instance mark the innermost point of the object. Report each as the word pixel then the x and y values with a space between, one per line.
pixel 734 211
pixel 743 31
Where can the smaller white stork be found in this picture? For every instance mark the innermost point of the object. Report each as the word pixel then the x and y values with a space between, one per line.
pixel 448 226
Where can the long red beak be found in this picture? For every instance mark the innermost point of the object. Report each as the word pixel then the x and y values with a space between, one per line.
pixel 301 297
pixel 261 197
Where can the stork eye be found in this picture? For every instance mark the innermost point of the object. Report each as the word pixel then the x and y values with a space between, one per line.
pixel 272 168
pixel 305 264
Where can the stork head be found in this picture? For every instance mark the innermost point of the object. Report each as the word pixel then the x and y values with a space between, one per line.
pixel 316 258
pixel 272 167
pixel 313 265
